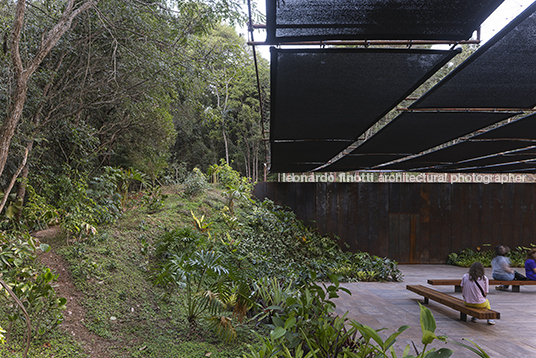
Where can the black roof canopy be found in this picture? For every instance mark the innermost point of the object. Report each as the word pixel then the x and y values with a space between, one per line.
pixel 523 128
pixel 303 20
pixel 302 156
pixel 500 74
pixel 334 95
pixel 340 93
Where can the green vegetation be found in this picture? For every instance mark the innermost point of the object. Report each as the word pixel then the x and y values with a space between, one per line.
pixel 485 254
pixel 192 276
pixel 190 268
pixel 303 328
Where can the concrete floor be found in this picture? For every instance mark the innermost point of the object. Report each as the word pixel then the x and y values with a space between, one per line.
pixel 390 305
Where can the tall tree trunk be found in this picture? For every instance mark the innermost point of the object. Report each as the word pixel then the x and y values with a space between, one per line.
pixel 13 180
pixel 21 191
pixel 226 146
pixel 246 166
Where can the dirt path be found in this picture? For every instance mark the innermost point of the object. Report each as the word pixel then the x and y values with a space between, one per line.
pixel 74 315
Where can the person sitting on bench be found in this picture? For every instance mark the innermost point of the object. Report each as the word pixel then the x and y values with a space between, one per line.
pixel 530 265
pixel 475 287
pixel 501 270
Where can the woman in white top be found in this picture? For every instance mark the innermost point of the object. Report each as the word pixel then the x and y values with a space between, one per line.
pixel 475 287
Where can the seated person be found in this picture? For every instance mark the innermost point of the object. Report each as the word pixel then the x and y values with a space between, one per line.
pixel 530 265
pixel 500 267
pixel 475 286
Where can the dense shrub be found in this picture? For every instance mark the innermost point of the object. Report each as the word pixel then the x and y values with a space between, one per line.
pixel 195 183
pixel 78 202
pixel 177 242
pixel 32 284
pixel 466 257
pixel 277 244
pixel 302 324
pixel 224 174
pixel 362 266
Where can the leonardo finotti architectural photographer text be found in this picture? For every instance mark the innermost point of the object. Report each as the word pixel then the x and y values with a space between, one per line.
pixel 403 177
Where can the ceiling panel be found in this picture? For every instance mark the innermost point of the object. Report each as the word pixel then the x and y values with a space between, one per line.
pixel 456 153
pixel 523 128
pixel 340 93
pixel 301 20
pixel 359 162
pixel 500 74
pixel 414 132
pixel 302 154
pixel 505 168
pixel 493 160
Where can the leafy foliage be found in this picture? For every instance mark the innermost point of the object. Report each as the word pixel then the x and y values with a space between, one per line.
pixel 466 257
pixel 195 183
pixel 177 241
pixel 82 203
pixel 33 285
pixel 362 266
pixel 202 275
pixel 154 199
pixel 303 327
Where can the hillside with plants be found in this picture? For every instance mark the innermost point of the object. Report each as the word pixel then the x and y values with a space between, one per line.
pixel 163 271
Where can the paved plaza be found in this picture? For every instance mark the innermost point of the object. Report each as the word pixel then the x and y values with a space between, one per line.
pixel 390 305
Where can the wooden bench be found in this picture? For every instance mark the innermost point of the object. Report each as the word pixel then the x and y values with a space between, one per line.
pixel 453 302
pixel 457 288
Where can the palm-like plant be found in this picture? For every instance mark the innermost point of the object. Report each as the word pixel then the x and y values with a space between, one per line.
pixel 210 289
pixel 204 279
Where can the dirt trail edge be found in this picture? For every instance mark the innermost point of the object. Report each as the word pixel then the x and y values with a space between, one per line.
pixel 75 314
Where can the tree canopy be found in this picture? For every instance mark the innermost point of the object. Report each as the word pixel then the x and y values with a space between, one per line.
pixel 143 84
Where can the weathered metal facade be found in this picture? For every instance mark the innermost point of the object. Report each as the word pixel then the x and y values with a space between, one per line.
pixel 412 223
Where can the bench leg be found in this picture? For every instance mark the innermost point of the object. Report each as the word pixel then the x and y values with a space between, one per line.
pixel 457 288
pixel 463 317
pixel 426 300
pixel 515 288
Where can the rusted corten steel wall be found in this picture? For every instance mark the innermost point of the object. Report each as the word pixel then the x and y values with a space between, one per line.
pixel 412 223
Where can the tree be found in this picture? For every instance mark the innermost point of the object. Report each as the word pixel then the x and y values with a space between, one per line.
pixel 113 74
pixel 223 119
pixel 24 68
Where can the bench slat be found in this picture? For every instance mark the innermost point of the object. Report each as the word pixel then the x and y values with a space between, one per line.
pixel 448 282
pixel 454 302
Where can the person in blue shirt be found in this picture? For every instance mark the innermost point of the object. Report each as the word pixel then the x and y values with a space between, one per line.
pixel 530 265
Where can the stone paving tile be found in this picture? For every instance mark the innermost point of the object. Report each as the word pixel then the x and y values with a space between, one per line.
pixel 389 305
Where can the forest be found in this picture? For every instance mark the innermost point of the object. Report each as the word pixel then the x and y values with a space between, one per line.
pixel 160 87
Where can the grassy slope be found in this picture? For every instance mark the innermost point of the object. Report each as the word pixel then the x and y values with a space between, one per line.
pixel 136 318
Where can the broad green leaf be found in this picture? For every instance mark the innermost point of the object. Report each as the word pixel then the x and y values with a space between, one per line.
pixel 428 322
pixel 290 322
pixel 278 322
pixel 392 338
pixel 278 332
pixel 367 331
pixel 405 354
